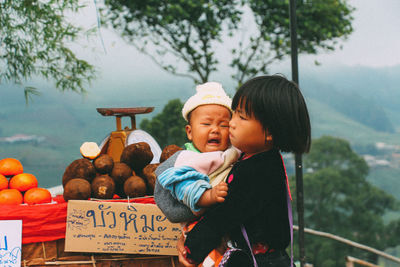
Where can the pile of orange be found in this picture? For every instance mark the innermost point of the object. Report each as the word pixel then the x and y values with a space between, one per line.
pixel 17 187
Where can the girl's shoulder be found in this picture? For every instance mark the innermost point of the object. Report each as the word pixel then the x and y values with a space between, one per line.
pixel 267 157
pixel 261 165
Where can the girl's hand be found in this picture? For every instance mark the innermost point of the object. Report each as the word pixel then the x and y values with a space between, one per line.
pixel 180 246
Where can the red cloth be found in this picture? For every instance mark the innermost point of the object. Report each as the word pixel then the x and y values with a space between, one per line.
pixel 46 222
pixel 40 223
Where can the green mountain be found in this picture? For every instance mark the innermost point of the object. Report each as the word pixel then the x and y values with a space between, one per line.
pixel 378 88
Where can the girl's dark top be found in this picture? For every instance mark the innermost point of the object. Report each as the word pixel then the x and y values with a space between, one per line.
pixel 256 198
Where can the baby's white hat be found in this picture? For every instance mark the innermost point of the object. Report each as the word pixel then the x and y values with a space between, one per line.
pixel 207 93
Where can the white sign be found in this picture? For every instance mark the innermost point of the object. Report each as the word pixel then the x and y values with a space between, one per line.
pixel 10 243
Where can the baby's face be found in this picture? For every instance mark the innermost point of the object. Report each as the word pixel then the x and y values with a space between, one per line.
pixel 209 128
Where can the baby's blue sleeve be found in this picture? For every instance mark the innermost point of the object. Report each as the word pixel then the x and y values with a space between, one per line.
pixel 185 184
pixel 174 210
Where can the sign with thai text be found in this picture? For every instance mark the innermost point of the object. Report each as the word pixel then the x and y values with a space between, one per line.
pixel 116 227
pixel 10 243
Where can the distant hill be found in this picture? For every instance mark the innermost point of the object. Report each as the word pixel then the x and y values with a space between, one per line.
pixel 374 88
pixel 351 104
pixel 63 121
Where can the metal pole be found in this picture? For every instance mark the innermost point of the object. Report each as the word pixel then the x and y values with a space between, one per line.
pixel 298 158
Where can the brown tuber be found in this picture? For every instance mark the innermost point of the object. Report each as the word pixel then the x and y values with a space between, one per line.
pixel 137 155
pixel 77 188
pixel 104 164
pixel 103 187
pixel 150 177
pixel 135 186
pixel 168 151
pixel 79 168
pixel 121 172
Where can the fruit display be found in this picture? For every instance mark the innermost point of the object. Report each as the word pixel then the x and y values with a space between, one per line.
pixel 77 188
pixel 121 166
pixel 103 187
pixel 23 182
pixel 149 175
pixel 11 196
pixel 3 182
pixel 103 164
pixel 10 166
pixel 137 156
pixel 37 195
pixel 18 187
pixel 103 178
pixel 79 168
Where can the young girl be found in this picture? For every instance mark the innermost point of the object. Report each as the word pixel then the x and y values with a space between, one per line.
pixel 270 115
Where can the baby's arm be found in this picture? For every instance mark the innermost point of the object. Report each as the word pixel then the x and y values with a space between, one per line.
pixel 213 195
pixel 189 184
pixel 174 210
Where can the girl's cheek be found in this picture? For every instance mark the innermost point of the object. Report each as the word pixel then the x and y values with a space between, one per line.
pixel 232 122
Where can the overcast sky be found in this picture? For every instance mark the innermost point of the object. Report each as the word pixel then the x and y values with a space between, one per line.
pixel 375 42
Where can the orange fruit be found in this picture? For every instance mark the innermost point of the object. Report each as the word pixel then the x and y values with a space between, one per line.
pixel 3 182
pixel 10 196
pixel 23 182
pixel 37 195
pixel 10 166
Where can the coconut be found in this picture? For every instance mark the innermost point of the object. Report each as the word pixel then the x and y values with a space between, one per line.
pixel 121 172
pixel 104 164
pixel 168 151
pixel 77 188
pixel 79 168
pixel 135 186
pixel 103 187
pixel 148 173
pixel 137 155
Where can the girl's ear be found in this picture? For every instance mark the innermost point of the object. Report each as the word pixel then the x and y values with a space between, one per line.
pixel 268 136
pixel 188 129
pixel 269 143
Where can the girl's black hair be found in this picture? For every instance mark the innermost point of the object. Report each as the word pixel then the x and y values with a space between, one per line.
pixel 280 107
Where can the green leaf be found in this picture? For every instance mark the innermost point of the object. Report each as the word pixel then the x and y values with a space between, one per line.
pixel 29 92
pixel 32 44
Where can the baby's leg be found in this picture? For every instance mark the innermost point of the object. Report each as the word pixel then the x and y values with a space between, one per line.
pixel 213 195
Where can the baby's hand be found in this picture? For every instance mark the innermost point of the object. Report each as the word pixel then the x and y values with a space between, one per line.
pixel 213 195
pixel 219 192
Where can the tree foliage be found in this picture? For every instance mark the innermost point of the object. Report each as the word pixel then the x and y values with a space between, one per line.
pixel 339 200
pixel 190 32
pixel 167 127
pixel 34 38
pixel 320 26
pixel 185 31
